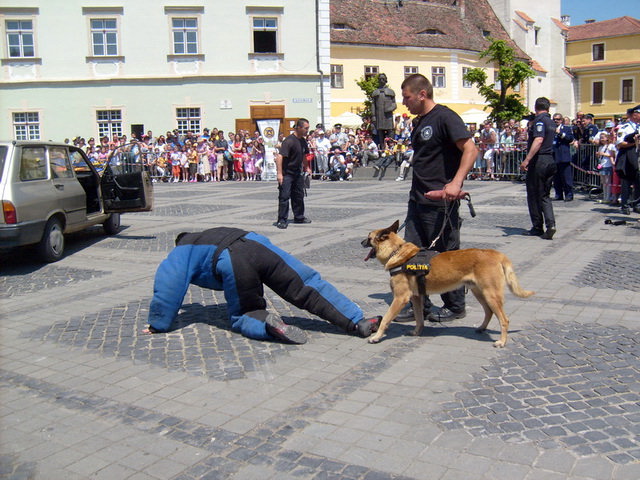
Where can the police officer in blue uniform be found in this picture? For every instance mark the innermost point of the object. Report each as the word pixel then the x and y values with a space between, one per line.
pixel 563 180
pixel 627 140
pixel 240 263
pixel 590 137
pixel 540 168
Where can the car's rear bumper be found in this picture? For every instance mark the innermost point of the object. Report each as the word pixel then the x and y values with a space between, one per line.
pixel 21 234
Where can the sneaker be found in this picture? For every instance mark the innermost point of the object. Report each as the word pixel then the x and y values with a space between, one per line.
pixel 286 333
pixel 445 315
pixel 405 316
pixel 367 326
pixel 548 235
pixel 281 225
pixel 302 220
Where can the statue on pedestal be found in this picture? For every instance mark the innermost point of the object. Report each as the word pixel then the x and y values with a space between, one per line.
pixel 383 103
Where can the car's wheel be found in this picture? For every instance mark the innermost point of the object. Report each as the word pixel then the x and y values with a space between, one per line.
pixel 51 247
pixel 112 224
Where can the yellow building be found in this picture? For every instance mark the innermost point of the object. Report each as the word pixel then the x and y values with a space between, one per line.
pixel 440 39
pixel 604 58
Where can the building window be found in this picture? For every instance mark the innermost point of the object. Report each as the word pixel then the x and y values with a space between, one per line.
pixel 627 90
pixel 20 38
pixel 185 36
pixel 466 83
pixel 597 96
pixel 438 77
pixel 536 36
pixel 26 125
pixel 265 33
pixel 109 123
pixel 188 120
pixel 371 71
pixel 408 71
pixel 497 83
pixel 104 36
pixel 486 33
pixel 597 51
pixel 337 77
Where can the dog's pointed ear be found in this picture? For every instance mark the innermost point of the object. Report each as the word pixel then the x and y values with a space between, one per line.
pixel 395 226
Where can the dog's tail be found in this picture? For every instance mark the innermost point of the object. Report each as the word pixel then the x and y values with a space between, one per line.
pixel 512 280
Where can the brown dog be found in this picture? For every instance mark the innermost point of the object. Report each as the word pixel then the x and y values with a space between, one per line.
pixel 485 272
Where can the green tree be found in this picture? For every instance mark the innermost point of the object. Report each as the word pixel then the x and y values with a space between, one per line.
pixel 368 86
pixel 511 73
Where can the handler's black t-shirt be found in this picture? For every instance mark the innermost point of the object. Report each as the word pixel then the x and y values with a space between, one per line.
pixel 436 157
pixel 293 150
pixel 542 126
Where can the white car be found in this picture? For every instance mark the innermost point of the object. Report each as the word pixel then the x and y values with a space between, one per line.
pixel 50 189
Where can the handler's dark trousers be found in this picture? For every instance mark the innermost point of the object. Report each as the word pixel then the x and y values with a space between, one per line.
pixel 424 223
pixel 625 194
pixel 540 173
pixel 292 188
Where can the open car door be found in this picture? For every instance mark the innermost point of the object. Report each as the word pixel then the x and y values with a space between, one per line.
pixel 125 185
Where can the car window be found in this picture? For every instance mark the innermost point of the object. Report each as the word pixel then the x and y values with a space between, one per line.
pixel 3 155
pixel 59 161
pixel 33 164
pixel 79 162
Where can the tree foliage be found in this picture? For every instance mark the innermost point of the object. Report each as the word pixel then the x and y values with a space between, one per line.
pixel 368 86
pixel 504 102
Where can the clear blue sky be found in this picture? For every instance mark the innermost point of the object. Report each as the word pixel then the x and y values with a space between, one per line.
pixel 581 10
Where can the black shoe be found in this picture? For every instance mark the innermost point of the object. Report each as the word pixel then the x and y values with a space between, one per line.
pixel 535 232
pixel 568 199
pixel 302 220
pixel 548 235
pixel 405 316
pixel 445 315
pixel 367 326
pixel 281 225
pixel 625 211
pixel 557 199
pixel 286 333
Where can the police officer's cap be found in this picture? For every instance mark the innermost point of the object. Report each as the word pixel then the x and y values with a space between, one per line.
pixel 589 115
pixel 636 109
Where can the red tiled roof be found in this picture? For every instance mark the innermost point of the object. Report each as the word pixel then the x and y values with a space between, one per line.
pixel 560 25
pixel 537 67
pixel 383 23
pixel 520 24
pixel 607 28
pixel 524 16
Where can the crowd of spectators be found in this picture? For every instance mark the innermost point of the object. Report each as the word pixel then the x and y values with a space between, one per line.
pixel 212 155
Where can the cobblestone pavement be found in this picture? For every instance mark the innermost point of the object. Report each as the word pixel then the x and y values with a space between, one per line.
pixel 85 395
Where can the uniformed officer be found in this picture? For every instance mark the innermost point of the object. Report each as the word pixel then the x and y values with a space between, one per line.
pixel 627 159
pixel 540 168
pixel 563 180
pixel 588 141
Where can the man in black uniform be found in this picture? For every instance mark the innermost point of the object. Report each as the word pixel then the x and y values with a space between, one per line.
pixel 443 154
pixel 540 168
pixel 289 162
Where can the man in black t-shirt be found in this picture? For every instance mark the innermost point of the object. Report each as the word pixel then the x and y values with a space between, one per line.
pixel 290 162
pixel 540 168
pixel 443 154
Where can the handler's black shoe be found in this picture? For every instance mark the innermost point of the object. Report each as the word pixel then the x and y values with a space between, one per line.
pixel 281 225
pixel 302 220
pixel 534 232
pixel 405 316
pixel 367 326
pixel 548 235
pixel 286 333
pixel 445 315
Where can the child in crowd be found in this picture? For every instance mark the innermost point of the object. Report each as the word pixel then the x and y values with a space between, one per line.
pixel 606 159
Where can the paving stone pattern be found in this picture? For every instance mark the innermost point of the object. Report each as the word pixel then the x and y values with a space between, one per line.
pixel 617 270
pixel 568 385
pixel 18 280
pixel 158 242
pixel 185 210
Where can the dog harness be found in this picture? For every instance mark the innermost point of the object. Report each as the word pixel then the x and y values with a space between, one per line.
pixel 417 265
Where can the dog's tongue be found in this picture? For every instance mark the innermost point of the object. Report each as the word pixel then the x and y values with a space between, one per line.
pixel 371 254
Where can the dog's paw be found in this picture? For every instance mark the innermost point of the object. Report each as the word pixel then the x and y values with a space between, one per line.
pixel 374 339
pixel 416 332
pixel 498 344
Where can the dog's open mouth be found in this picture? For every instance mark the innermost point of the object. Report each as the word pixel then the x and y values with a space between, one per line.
pixel 371 254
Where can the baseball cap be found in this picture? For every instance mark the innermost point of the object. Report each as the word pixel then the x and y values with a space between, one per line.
pixel 609 124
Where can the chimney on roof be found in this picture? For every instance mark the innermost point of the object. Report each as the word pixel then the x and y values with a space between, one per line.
pixel 591 20
pixel 566 20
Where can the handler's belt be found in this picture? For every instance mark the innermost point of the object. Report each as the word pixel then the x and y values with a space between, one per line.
pixel 417 265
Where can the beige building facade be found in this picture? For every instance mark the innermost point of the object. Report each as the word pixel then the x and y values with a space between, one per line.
pixel 96 68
